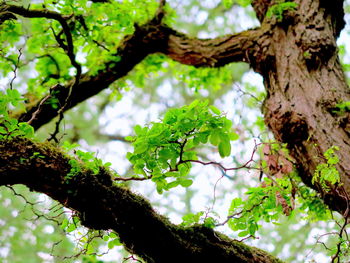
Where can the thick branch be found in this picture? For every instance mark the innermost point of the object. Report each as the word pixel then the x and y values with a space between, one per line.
pixel 103 205
pixel 151 38
pixel 213 52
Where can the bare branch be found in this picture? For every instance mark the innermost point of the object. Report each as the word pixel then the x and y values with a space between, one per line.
pixel 16 68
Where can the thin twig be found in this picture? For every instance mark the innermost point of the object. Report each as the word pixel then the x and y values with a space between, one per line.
pixel 68 48
pixel 16 68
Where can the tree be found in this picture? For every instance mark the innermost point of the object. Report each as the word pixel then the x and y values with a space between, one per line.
pixel 306 107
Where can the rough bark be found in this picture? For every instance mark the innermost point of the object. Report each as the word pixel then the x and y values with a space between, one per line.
pixel 102 205
pixel 304 81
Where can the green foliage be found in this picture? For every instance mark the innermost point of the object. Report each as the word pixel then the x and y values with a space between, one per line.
pixel 281 193
pixel 203 78
pixel 10 33
pixel 326 174
pixel 342 108
pixel 209 222
pixel 164 150
pixel 71 224
pixel 10 127
pixel 156 68
pixel 113 240
pixel 313 206
pixel 229 3
pixel 96 33
pixel 263 203
pixel 84 160
pixel 270 201
pixel 191 219
pixel 278 9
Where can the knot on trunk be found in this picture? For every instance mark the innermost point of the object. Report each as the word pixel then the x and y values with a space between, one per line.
pixel 316 47
pixel 289 127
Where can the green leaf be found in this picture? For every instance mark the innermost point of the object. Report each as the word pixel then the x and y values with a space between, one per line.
pixel 138 130
pixel 129 138
pixel 236 202
pixel 184 169
pixel 64 223
pixel 252 229
pixel 3 130
pixel 227 3
pixel 193 104
pixel 140 148
pixel 190 218
pixel 28 131
pixel 243 233
pixel 166 154
pixel 186 183
pixel 243 3
pixel 110 244
pixel 209 222
pixel 215 138
pixel 71 227
pixel 227 124
pixel 224 149
pixel 173 184
pixel 215 110
pixel 233 136
pixel 224 138
pixel 113 235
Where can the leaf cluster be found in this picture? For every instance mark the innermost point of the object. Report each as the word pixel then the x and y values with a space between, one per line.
pixel 192 219
pixel 326 174
pixel 84 160
pixel 342 108
pixel 278 9
pixel 263 203
pixel 165 150
pixel 10 127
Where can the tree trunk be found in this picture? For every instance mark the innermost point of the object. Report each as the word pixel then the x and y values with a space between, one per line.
pixel 304 82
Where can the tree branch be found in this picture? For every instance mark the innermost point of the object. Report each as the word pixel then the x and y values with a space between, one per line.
pixel 102 205
pixel 153 37
pixel 44 13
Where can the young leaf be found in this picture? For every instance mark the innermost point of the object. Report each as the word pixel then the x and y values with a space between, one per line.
pixel 215 110
pixel 186 183
pixel 224 149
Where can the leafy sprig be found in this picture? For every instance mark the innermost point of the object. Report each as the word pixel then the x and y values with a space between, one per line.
pixel 84 160
pixel 165 150
pixel 10 127
pixel 326 174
